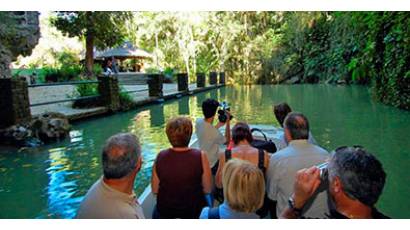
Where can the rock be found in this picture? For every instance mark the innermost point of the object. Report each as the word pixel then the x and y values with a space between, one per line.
pixel 50 127
pixel 46 128
pixel 293 80
pixel 18 136
pixel 341 82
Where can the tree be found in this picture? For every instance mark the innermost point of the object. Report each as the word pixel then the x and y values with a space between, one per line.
pixel 99 29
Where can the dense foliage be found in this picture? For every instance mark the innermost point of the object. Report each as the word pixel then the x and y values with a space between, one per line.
pixel 370 48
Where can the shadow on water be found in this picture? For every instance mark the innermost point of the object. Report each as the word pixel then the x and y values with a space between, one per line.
pixel 51 181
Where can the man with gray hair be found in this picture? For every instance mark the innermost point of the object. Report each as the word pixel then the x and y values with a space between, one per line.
pixel 356 180
pixel 112 196
pixel 285 163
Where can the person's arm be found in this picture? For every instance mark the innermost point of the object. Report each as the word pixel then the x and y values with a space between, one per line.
pixel 228 129
pixel 206 174
pixel 307 181
pixel 219 125
pixel 218 176
pixel 154 180
pixel 267 159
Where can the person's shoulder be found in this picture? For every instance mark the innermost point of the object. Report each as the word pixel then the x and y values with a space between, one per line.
pixel 162 154
pixel 199 121
pixel 91 201
pixel 280 155
pixel 320 150
pixel 204 213
pixel 197 152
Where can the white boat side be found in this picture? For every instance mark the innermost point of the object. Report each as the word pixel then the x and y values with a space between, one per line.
pixel 147 199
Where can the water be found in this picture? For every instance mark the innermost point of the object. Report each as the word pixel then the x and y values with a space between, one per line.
pixel 50 182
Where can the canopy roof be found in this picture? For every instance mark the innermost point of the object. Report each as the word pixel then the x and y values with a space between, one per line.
pixel 127 50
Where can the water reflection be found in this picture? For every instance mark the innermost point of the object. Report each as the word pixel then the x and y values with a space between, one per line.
pixel 183 106
pixel 157 112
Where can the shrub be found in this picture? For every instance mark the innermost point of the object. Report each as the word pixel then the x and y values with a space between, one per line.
pixel 126 101
pixel 65 73
pixel 85 90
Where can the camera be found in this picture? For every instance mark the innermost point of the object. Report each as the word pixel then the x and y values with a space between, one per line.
pixel 222 117
pixel 324 172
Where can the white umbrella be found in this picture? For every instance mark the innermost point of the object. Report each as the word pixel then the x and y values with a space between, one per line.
pixel 127 50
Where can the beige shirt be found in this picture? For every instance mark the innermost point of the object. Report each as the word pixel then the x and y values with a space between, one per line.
pixel 104 202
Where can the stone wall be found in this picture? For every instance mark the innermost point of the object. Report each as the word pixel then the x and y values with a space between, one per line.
pixel 182 82
pixel 213 78
pixel 200 80
pixel 109 90
pixel 14 102
pixel 155 85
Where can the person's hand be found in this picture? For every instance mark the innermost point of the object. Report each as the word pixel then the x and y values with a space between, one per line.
pixel 228 116
pixel 307 181
pixel 219 125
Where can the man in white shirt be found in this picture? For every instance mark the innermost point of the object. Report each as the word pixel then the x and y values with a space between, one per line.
pixel 112 196
pixel 285 163
pixel 209 137
pixel 281 111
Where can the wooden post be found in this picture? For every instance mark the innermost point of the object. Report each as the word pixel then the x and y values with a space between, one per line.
pixel 213 78
pixel 200 80
pixel 222 78
pixel 182 82
pixel 155 85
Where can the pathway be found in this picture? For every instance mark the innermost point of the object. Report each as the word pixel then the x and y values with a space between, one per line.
pixel 53 93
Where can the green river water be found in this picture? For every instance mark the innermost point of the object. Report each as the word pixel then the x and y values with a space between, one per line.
pixel 50 182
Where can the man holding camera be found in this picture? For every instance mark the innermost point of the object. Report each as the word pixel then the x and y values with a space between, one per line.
pixel 285 163
pixel 356 180
pixel 209 137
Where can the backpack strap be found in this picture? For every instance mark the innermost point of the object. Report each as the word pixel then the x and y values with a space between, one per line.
pixel 261 160
pixel 228 155
pixel 213 213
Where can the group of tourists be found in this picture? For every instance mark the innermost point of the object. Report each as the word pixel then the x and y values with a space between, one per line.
pixel 239 181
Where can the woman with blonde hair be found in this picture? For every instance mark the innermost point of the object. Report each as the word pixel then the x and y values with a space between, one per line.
pixel 181 176
pixel 244 191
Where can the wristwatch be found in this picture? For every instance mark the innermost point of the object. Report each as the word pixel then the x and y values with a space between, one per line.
pixel 296 211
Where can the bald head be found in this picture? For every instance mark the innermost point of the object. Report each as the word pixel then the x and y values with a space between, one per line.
pixel 120 155
pixel 297 125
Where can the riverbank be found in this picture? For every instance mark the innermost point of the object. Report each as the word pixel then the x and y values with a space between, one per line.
pixel 139 95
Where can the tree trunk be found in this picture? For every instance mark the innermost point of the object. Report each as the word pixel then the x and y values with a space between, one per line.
pixel 156 48
pixel 89 54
